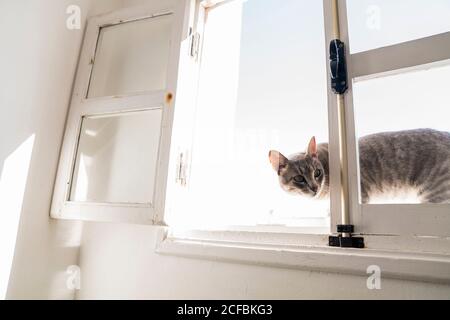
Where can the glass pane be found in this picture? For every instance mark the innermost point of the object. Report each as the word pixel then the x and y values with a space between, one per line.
pixel 379 23
pixel 117 157
pixel 267 90
pixel 404 167
pixel 131 57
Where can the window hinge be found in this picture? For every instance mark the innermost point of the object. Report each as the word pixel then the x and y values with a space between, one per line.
pixel 194 46
pixel 338 67
pixel 181 174
pixel 344 239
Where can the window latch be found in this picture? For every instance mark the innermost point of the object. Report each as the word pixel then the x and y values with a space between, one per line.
pixel 344 239
pixel 194 47
pixel 338 67
pixel 181 174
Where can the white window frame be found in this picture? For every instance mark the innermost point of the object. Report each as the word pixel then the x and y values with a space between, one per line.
pixel 81 106
pixel 401 255
pixel 420 54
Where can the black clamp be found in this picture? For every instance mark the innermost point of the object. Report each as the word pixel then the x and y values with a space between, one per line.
pixel 342 241
pixel 338 67
pixel 345 228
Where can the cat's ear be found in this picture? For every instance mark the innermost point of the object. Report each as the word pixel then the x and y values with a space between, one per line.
pixel 277 160
pixel 312 147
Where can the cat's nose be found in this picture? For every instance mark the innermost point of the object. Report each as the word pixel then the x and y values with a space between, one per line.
pixel 314 189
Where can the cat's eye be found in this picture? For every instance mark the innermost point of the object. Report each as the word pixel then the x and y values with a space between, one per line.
pixel 299 179
pixel 317 173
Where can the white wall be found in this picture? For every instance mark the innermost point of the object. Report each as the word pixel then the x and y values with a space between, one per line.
pixel 38 59
pixel 118 262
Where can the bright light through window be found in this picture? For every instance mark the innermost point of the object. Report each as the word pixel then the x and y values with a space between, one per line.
pixel 262 87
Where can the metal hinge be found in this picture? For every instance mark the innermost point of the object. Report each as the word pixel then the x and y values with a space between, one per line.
pixel 344 239
pixel 194 46
pixel 181 169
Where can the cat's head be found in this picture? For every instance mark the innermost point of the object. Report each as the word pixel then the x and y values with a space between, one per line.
pixel 301 174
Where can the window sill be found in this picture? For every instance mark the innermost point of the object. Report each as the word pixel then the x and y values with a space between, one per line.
pixel 285 251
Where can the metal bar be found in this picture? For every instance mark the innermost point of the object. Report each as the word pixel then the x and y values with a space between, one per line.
pixel 343 160
pixel 345 215
pixel 335 16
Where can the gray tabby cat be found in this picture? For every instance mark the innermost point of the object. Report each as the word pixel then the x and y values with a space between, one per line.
pixel 389 161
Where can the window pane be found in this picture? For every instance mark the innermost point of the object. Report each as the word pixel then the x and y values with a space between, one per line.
pixel 263 86
pixel 131 57
pixel 406 101
pixel 379 23
pixel 117 157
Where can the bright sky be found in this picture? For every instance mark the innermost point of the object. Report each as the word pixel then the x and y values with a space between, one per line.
pixel 379 23
pixel 405 101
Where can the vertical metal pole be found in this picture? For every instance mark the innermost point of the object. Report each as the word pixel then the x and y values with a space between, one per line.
pixel 335 13
pixel 345 215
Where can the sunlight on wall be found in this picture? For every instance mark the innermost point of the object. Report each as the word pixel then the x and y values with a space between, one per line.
pixel 12 188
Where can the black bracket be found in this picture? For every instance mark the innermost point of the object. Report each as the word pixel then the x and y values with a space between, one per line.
pixel 338 67
pixel 346 241
pixel 345 228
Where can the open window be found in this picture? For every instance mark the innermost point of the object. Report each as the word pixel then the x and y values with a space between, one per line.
pixel 262 85
pixel 113 163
